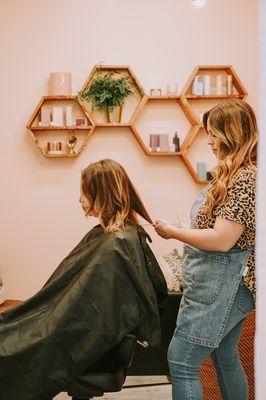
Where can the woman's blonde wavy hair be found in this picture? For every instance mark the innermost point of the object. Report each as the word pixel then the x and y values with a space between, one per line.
pixel 110 191
pixel 233 122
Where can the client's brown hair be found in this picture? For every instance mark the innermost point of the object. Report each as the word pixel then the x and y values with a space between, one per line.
pixel 110 191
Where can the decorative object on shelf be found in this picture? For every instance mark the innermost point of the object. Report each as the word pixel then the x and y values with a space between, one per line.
pixel 71 143
pixel 154 142
pixel 176 142
pixel 197 86
pixel 219 85
pixel 54 147
pixel 164 142
pixel 114 114
pixel 207 85
pixel 69 116
pixel 202 170
pixel 131 103
pixel 156 92
pixel 229 85
pixel 45 116
pixel 81 122
pixel 107 91
pixel 60 84
pixel 171 89
pixel 57 116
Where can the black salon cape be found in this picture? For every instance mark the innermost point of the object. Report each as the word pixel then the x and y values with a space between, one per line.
pixel 105 288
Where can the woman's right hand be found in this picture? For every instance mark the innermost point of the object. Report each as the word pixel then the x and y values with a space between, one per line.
pixel 164 228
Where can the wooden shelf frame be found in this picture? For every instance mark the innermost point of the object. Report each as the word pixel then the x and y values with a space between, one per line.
pixel 184 101
pixel 34 129
pixel 148 99
pixel 189 100
pixel 125 69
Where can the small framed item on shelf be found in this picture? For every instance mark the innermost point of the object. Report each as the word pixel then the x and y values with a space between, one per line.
pixel 81 122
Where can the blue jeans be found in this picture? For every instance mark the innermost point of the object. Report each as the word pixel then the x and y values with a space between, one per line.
pixel 185 358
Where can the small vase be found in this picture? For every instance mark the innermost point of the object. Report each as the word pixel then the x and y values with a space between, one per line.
pixel 114 114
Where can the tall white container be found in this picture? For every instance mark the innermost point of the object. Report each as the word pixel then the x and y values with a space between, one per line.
pixel 197 86
pixel 229 85
pixel 207 85
pixel 69 116
pixel 219 85
pixel 57 116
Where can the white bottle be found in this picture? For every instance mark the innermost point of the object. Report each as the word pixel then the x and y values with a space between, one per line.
pixel 207 85
pixel 197 86
pixel 69 116
pixel 57 116
pixel 229 85
pixel 219 85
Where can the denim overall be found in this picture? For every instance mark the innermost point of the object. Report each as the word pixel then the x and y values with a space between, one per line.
pixel 211 282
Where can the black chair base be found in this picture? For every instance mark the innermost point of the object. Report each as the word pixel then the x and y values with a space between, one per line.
pixel 79 398
pixel 107 374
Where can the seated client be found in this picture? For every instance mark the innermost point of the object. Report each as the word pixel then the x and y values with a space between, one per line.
pixel 109 285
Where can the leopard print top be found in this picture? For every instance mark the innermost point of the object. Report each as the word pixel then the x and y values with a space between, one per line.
pixel 239 207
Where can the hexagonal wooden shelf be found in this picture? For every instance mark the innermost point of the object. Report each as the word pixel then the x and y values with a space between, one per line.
pixel 190 100
pixel 186 102
pixel 38 132
pixel 135 101
pixel 138 137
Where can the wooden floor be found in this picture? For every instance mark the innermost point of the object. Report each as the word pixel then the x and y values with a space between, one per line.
pixel 154 392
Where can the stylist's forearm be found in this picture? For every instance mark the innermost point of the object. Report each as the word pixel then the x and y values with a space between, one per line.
pixel 205 239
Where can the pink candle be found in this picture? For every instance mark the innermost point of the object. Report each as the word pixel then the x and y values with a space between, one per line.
pixel 60 84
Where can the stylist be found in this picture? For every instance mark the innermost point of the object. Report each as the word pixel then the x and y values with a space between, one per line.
pixel 219 259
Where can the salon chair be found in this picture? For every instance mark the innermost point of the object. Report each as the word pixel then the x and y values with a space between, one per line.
pixel 153 360
pixel 107 374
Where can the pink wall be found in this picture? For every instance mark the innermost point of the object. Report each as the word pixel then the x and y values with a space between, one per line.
pixel 162 41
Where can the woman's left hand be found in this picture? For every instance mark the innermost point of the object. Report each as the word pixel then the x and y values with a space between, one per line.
pixel 163 228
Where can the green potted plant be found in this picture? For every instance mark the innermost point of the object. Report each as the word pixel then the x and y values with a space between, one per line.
pixel 108 92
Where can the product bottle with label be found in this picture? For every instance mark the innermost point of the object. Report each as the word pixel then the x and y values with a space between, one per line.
pixel 229 85
pixel 219 85
pixel 176 142
pixel 197 86
pixel 207 85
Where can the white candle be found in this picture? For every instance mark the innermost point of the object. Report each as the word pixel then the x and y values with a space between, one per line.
pixel 219 85
pixel 69 116
pixel 57 113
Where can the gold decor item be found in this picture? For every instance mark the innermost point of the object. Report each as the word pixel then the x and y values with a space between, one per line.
pixel 114 114
pixel 71 143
